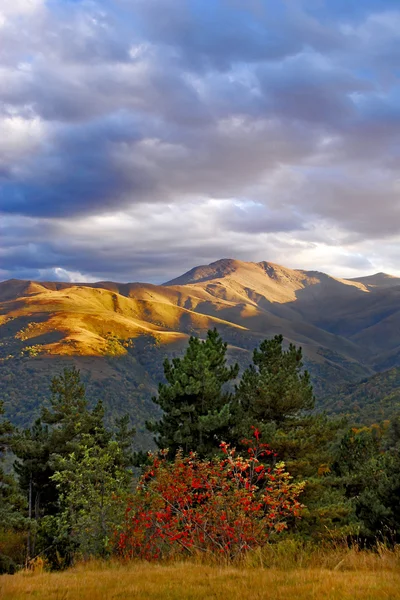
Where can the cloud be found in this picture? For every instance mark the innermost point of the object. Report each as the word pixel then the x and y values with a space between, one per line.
pixel 145 245
pixel 217 35
pixel 140 138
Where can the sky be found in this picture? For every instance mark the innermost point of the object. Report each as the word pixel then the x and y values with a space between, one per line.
pixel 141 138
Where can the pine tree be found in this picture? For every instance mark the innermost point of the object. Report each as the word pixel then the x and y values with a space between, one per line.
pixel 368 460
pixel 70 416
pixel 57 433
pixel 275 387
pixel 11 502
pixel 275 394
pixel 194 399
pixel 124 435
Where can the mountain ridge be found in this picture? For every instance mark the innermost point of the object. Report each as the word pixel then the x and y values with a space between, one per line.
pixel 344 326
pixel 228 293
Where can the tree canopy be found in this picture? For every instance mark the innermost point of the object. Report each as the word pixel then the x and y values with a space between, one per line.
pixel 196 387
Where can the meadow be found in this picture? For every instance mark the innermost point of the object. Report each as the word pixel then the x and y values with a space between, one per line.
pixel 335 575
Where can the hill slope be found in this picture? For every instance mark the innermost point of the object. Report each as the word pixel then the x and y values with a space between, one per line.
pixel 371 400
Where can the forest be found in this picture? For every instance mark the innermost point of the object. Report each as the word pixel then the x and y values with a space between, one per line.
pixel 241 463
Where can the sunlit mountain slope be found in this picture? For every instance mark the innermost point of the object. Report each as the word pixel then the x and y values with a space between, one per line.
pixel 348 329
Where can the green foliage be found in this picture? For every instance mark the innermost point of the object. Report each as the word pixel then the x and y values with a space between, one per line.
pixel 92 483
pixel 67 398
pixel 73 473
pixel 275 394
pixel 58 432
pixel 124 435
pixel 194 389
pixel 11 501
pixel 367 401
pixel 125 380
pixel 32 351
pixel 274 388
pixel 7 565
pixel 369 462
pixel 41 450
pixel 121 383
pixel 6 431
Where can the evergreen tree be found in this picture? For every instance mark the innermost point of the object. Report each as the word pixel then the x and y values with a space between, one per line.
pixel 32 448
pixel 11 502
pixel 274 388
pixel 69 415
pixel 194 400
pixel 275 395
pixel 368 460
pixel 124 435
pixel 56 434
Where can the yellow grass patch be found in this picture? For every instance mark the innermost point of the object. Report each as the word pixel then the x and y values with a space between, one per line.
pixel 137 581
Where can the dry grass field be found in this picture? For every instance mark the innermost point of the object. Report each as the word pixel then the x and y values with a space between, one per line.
pixel 355 576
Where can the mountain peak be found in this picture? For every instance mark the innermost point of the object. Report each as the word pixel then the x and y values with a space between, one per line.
pixel 378 280
pixel 218 269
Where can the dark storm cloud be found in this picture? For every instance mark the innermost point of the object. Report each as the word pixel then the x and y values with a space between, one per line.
pixel 74 173
pixel 140 137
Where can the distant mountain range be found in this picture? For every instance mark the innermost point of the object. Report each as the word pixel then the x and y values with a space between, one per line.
pixel 118 333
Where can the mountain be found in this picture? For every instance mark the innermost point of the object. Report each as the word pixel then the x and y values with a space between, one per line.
pixel 119 333
pixel 379 280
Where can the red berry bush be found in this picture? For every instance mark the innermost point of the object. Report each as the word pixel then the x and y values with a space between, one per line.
pixel 226 505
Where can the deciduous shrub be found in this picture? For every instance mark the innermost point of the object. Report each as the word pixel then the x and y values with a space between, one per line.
pixel 225 505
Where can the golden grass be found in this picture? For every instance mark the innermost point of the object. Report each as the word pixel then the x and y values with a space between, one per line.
pixel 84 316
pixel 235 296
pixel 357 575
